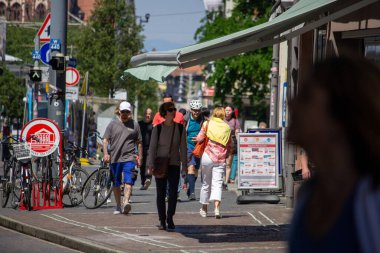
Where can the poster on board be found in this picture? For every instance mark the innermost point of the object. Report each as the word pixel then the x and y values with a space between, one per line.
pixel 259 160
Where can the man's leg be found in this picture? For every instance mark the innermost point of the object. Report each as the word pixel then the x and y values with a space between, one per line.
pixel 116 169
pixel 129 181
pixel 191 178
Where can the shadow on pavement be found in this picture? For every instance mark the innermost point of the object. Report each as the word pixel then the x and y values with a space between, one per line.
pixel 233 233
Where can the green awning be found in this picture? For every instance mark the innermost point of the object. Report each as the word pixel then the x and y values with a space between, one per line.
pixel 313 13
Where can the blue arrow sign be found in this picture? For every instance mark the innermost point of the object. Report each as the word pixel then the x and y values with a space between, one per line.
pixel 45 53
pixel 55 45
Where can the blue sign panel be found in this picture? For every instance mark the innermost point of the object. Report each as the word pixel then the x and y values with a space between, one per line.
pixel 45 53
pixel 55 45
pixel 72 62
pixel 36 55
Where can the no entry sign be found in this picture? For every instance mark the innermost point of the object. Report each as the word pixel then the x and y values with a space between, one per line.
pixel 72 76
pixel 48 134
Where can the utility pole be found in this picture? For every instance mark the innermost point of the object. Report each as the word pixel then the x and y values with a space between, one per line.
pixel 57 76
pixel 3 36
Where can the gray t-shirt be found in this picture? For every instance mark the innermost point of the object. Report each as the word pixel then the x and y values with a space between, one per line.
pixel 122 138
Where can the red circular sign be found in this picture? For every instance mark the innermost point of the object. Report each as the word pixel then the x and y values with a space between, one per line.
pixel 47 133
pixel 72 76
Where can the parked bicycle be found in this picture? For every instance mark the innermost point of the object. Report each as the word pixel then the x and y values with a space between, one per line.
pixel 74 176
pixel 98 187
pixel 9 174
pixel 18 175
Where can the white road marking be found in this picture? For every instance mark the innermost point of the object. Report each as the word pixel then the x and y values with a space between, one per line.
pixel 257 220
pixel 105 230
pixel 266 217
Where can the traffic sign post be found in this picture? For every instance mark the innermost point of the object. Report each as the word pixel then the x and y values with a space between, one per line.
pixel 72 93
pixel 47 139
pixel 45 53
pixel 55 45
pixel 72 76
pixel 35 75
pixel 44 32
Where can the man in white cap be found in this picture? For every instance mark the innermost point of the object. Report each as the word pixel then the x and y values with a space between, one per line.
pixel 123 134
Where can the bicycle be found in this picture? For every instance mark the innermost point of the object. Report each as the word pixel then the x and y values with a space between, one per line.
pixel 98 187
pixel 74 176
pixel 9 173
pixel 22 187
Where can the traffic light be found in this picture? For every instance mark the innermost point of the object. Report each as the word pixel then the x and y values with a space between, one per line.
pixel 35 75
pixel 57 62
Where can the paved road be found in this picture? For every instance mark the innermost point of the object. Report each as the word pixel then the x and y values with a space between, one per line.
pixel 243 228
pixel 15 242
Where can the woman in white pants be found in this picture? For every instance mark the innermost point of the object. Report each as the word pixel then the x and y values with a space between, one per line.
pixel 213 161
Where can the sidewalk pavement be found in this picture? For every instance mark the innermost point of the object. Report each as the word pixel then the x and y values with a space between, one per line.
pixel 243 228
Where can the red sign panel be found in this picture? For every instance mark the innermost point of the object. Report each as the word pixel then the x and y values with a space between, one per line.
pixel 47 133
pixel 209 92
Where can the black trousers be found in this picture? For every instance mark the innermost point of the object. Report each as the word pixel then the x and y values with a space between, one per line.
pixel 171 181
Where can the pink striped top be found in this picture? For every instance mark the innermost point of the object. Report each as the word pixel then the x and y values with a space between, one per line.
pixel 216 151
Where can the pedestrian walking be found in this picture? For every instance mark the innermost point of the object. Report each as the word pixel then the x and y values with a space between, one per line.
pixel 146 128
pixel 336 120
pixel 178 118
pixel 193 123
pixel 123 134
pixel 214 158
pixel 167 141
pixel 231 166
pixel 158 119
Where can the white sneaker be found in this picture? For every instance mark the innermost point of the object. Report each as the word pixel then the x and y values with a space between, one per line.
pixel 117 211
pixel 203 213
pixel 147 184
pixel 217 213
pixel 127 208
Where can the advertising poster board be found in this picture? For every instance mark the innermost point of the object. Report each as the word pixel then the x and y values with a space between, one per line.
pixel 259 158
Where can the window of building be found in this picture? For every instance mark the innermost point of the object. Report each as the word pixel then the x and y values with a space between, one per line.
pixel 40 12
pixel 2 9
pixel 15 12
pixel 372 48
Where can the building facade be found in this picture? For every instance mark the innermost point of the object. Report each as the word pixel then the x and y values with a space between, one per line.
pixel 24 10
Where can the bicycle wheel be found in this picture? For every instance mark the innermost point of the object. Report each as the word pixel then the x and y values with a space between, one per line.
pixel 97 188
pixel 16 188
pixel 72 192
pixel 6 185
pixel 27 198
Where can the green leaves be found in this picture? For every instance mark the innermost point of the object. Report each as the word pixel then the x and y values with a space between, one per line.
pixel 245 75
pixel 12 91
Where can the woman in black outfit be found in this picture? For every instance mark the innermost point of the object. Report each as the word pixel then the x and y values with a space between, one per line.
pixel 168 140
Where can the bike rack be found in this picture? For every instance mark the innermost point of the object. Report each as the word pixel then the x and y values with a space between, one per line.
pixel 41 198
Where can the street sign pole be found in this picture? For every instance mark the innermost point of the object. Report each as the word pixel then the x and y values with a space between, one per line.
pixel 56 105
pixel 35 85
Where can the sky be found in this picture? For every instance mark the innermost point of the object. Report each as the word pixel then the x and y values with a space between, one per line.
pixel 172 23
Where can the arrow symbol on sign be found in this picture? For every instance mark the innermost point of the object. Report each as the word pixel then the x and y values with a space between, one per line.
pixel 35 74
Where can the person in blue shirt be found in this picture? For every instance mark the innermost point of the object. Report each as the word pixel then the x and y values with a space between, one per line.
pixel 193 123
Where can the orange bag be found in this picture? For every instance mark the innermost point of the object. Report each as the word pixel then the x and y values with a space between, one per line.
pixel 200 146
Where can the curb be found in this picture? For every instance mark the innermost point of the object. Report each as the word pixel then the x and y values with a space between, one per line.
pixel 54 237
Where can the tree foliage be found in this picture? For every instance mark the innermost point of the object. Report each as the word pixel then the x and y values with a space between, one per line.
pixel 107 44
pixel 246 74
pixel 20 42
pixel 104 48
pixel 12 92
